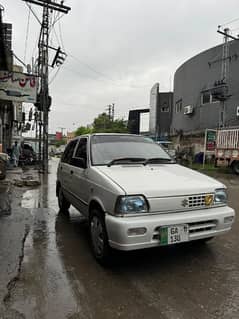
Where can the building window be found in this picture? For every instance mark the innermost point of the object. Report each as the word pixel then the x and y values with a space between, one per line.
pixel 165 107
pixel 207 97
pixel 178 106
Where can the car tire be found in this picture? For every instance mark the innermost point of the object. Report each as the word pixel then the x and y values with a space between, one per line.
pixel 63 203
pixel 99 238
pixel 235 167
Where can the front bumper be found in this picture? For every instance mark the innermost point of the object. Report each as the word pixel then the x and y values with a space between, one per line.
pixel 202 223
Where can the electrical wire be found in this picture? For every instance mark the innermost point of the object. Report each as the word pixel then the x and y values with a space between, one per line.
pixel 105 79
pixel 234 20
pixel 61 37
pixel 32 11
pixel 27 34
pixel 54 76
pixel 91 68
pixel 19 59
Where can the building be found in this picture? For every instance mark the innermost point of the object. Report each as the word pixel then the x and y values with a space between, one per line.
pixel 156 120
pixel 6 107
pixel 161 107
pixel 70 136
pixel 205 94
pixel 136 121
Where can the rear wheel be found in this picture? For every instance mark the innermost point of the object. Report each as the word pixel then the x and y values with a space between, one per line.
pixel 235 167
pixel 99 237
pixel 63 203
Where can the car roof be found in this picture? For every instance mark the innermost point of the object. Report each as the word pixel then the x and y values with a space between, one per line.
pixel 107 134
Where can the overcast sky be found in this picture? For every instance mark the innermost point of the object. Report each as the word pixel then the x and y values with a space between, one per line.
pixel 117 50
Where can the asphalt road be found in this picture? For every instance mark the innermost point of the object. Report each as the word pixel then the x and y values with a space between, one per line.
pixel 57 277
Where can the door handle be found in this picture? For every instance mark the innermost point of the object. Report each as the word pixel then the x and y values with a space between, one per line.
pixel 72 172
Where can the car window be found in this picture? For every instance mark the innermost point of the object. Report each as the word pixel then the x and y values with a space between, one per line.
pixel 68 153
pixel 81 153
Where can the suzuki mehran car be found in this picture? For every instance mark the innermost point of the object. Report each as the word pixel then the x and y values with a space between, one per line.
pixel 135 195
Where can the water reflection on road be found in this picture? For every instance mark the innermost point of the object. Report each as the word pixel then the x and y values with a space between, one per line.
pixel 60 278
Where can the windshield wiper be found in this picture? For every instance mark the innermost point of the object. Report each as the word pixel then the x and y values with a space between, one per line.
pixel 159 160
pixel 127 160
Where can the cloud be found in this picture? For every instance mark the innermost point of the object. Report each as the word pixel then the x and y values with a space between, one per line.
pixel 117 50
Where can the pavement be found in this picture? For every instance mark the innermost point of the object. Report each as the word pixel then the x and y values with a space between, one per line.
pixel 47 269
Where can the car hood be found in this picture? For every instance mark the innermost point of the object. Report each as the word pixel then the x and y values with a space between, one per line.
pixel 160 180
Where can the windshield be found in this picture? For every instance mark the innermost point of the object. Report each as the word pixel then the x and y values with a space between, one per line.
pixel 107 148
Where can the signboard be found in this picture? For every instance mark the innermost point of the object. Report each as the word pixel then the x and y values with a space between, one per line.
pixel 18 87
pixel 209 143
pixel 210 139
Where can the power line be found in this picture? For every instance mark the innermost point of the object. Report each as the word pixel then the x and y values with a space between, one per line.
pixel 55 75
pixel 234 20
pixel 19 59
pixel 59 25
pixel 91 68
pixel 32 11
pixel 27 33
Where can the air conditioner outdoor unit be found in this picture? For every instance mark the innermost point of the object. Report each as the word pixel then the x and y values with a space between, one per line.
pixel 238 111
pixel 188 109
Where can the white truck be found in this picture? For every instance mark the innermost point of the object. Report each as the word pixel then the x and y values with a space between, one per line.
pixel 227 149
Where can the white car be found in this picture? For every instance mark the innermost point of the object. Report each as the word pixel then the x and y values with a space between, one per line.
pixel 135 196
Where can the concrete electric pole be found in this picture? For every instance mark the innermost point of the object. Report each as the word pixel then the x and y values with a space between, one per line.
pixel 225 70
pixel 49 6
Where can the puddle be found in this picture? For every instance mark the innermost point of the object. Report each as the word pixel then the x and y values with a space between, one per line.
pixel 30 199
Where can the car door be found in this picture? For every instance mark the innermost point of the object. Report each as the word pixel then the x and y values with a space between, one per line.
pixel 65 170
pixel 79 178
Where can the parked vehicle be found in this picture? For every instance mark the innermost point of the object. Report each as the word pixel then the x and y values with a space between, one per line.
pixel 136 196
pixel 3 164
pixel 227 149
pixel 28 155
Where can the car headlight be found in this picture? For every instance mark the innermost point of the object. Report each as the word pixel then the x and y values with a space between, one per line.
pixel 220 196
pixel 131 205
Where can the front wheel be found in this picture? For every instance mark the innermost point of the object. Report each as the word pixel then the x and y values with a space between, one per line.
pixel 99 238
pixel 63 203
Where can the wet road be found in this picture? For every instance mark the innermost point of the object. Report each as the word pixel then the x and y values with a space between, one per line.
pixel 59 278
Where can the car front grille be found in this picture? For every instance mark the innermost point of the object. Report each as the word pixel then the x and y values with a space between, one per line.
pixel 202 226
pixel 196 201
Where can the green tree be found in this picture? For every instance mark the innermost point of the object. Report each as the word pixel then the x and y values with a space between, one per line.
pixel 103 124
pixel 83 130
pixel 61 142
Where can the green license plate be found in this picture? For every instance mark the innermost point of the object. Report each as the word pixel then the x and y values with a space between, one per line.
pixel 173 234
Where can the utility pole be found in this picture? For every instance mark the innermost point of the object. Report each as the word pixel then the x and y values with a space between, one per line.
pixel 225 71
pixel 111 111
pixel 43 45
